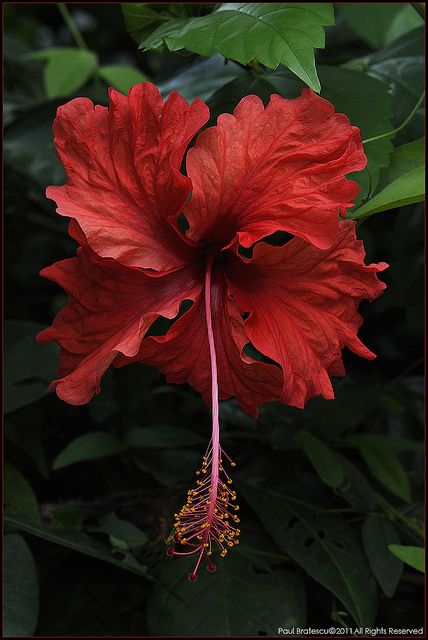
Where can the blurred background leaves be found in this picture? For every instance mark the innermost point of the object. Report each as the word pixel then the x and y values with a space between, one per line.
pixel 332 496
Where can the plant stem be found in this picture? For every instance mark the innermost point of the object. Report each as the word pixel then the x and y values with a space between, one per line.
pixel 72 26
pixel 410 523
pixel 402 125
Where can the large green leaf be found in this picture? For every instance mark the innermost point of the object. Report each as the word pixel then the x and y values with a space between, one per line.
pixel 390 443
pixel 202 78
pixel 234 601
pixel 402 183
pixel 141 18
pixel 29 367
pixel 21 588
pixel 380 23
pixel 401 67
pixel 413 556
pixel 323 545
pixel 324 460
pixel 405 79
pixel 90 446
pixel 363 99
pixel 19 496
pixel 80 542
pixel 67 69
pixel 378 533
pixel 273 34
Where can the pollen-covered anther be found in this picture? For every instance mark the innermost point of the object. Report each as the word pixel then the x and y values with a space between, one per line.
pixel 205 523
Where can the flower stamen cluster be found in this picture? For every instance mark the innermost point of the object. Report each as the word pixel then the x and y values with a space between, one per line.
pixel 208 518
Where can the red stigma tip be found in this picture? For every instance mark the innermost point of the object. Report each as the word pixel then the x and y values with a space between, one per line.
pixel 170 552
pixel 192 577
pixel 211 567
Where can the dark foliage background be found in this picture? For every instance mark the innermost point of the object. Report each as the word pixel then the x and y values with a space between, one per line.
pixel 90 491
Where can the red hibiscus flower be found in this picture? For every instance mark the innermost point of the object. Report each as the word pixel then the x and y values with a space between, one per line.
pixel 257 172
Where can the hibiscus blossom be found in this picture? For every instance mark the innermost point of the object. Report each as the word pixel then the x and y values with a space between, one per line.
pixel 267 320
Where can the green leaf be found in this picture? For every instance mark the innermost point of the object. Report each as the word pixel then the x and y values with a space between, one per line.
pixel 80 542
pixel 273 34
pixel 19 496
pixel 326 464
pixel 413 556
pixel 391 443
pixel 323 545
pixel 379 24
pixel 121 76
pixel 90 446
pixel 140 18
pixel 387 470
pixel 378 534
pixel 121 531
pixel 67 69
pixel 162 436
pixel 405 79
pixel 402 183
pixel 201 79
pixel 234 601
pixel 29 367
pixel 21 588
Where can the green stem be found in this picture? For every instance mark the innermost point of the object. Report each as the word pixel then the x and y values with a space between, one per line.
pixel 404 124
pixel 391 511
pixel 72 26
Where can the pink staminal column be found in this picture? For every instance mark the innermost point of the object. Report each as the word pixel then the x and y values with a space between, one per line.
pixel 207 520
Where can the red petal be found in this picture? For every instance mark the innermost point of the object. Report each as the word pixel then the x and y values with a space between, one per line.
pixel 110 308
pixel 123 173
pixel 303 307
pixel 183 354
pixel 280 168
